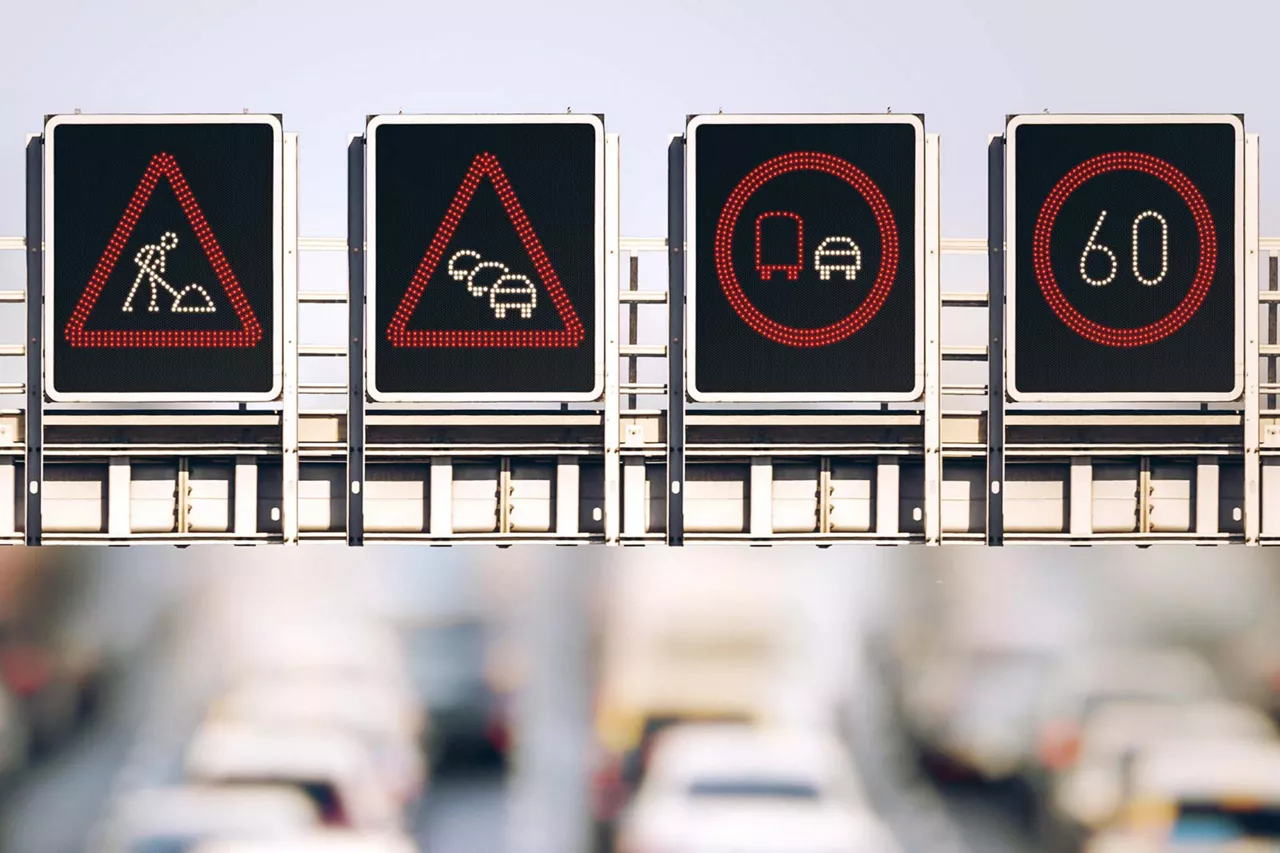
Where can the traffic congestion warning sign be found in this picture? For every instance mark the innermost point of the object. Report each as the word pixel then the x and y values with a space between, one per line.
pixel 1126 257
pixel 153 265
pixel 505 293
pixel 486 258
pixel 805 237
pixel 164 258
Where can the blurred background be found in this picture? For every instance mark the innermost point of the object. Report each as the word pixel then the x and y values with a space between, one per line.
pixel 701 700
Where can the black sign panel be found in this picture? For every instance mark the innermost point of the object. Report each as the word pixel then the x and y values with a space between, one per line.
pixel 805 239
pixel 486 257
pixel 163 262
pixel 1126 257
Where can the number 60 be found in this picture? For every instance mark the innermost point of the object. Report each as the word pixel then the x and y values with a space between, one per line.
pixel 1093 246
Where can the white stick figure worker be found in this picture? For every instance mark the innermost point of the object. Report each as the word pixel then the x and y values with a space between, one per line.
pixel 151 266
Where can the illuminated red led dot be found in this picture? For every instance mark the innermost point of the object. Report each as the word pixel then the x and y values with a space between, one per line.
pixel 1097 332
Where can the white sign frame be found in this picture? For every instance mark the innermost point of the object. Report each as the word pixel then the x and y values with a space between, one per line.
pixel 371 247
pixel 1011 243
pixel 691 260
pixel 277 290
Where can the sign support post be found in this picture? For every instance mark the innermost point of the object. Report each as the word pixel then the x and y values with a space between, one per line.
pixel 355 342
pixel 995 341
pixel 34 457
pixel 676 348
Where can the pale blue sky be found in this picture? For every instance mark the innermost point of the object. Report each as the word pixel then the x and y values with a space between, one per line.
pixel 325 65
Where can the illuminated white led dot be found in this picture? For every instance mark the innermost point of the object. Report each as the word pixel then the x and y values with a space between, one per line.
pixel 479 289
pixel 1164 247
pixel 838 247
pixel 502 291
pixel 460 274
pixel 1092 246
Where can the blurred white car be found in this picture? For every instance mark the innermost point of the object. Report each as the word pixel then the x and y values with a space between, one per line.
pixel 1209 795
pixel 390 727
pixel 151 820
pixel 723 788
pixel 333 767
pixel 333 841
pixel 1091 792
pixel 972 710
pixel 1085 682
pixel 321 644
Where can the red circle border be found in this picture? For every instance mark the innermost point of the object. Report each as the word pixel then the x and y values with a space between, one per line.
pixel 875 299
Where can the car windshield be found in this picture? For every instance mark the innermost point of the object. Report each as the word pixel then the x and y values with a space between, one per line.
pixel 1213 823
pixel 164 845
pixel 770 789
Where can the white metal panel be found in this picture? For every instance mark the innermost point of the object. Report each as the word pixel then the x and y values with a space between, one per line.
pixel 1080 496
pixel 1270 496
pixel 715 498
pixel 119 499
pixel 888 496
pixel 795 497
pixel 1207 496
pixel 395 498
pixel 441 497
pixel 1115 497
pixel 322 504
pixel 531 502
pixel 475 497
pixel 568 497
pixel 761 496
pixel 153 498
pixel 246 498
pixel 964 505
pixel 209 497
pixel 1170 500
pixel 8 497
pixel 849 506
pixel 74 498
pixel 635 497
pixel 1035 498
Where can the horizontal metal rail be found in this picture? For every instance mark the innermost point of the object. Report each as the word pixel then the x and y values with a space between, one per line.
pixel 643 350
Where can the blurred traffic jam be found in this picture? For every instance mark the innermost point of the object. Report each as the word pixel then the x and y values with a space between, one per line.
pixel 705 701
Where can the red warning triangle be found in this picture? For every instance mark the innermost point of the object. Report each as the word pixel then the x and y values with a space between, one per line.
pixel 573 333
pixel 163 165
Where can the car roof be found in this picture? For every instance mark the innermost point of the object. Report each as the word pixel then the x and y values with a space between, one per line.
pixel 320 699
pixel 332 841
pixel 197 809
pixel 233 750
pixel 1157 670
pixel 1210 769
pixel 1122 725
pixel 692 750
